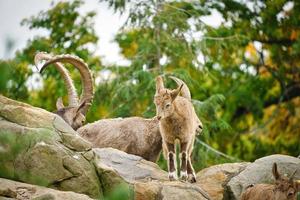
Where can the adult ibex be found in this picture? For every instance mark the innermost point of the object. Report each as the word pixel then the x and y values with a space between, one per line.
pixel 134 135
pixel 74 113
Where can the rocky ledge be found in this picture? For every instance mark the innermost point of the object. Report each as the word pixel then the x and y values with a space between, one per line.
pixel 42 157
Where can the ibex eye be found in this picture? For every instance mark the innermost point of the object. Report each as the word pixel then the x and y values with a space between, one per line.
pixel 168 105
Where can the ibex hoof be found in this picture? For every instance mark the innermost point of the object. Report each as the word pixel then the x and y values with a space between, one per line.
pixel 183 175
pixel 192 178
pixel 172 176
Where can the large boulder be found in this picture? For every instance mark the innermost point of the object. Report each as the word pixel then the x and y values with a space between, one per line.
pixel 16 190
pixel 214 179
pixel 38 147
pixel 146 179
pixel 261 172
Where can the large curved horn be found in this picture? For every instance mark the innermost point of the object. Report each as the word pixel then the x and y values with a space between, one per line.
pixel 185 91
pixel 72 93
pixel 86 77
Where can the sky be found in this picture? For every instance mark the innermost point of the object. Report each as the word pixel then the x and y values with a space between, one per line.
pixel 107 24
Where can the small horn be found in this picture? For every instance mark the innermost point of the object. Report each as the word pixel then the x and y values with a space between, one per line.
pixel 185 91
pixel 176 92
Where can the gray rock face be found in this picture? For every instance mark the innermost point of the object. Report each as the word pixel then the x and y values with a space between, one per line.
pixel 146 179
pixel 261 172
pixel 129 167
pixel 38 147
pixel 214 179
pixel 16 190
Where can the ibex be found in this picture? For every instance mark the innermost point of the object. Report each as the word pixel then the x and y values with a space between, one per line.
pixel 134 135
pixel 74 113
pixel 177 121
pixel 284 188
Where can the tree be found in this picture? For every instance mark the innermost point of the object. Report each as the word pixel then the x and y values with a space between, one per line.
pixel 69 32
pixel 156 39
pixel 251 59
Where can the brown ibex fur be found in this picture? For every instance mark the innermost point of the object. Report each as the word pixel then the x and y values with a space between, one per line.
pixel 177 121
pixel 284 189
pixel 134 135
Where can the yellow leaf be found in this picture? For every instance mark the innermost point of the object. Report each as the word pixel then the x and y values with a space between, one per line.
pixel 294 35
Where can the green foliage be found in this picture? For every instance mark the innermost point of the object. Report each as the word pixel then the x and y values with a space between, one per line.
pixel 4 76
pixel 12 147
pixel 120 192
pixel 14 87
pixel 8 143
pixel 235 82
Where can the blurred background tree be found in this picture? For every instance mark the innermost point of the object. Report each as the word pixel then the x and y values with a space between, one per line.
pixel 243 74
pixel 69 32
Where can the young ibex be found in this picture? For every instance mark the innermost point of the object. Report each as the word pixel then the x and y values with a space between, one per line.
pixel 177 121
pixel 284 189
pixel 134 135
pixel 74 113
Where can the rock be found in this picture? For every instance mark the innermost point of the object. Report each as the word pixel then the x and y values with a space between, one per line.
pixel 38 147
pixel 261 172
pixel 129 167
pixel 146 178
pixel 214 179
pixel 16 190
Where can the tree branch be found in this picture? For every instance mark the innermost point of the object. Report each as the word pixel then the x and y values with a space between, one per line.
pixel 283 41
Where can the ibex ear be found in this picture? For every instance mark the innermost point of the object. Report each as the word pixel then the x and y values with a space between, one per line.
pixel 275 172
pixel 159 84
pixel 176 92
pixel 59 103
